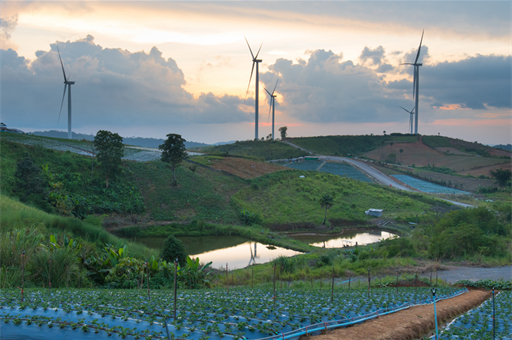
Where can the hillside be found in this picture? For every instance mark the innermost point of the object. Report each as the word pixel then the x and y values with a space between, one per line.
pixel 265 150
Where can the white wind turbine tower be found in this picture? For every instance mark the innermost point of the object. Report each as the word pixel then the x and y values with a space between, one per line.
pixel 67 83
pixel 416 84
pixel 255 60
pixel 411 119
pixel 272 106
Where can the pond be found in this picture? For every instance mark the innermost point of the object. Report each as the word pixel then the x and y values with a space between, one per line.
pixel 237 251
pixel 349 238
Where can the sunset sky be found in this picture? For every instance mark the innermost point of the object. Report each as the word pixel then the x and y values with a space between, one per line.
pixel 151 68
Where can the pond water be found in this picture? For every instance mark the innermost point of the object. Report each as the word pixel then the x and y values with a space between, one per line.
pixel 347 238
pixel 237 251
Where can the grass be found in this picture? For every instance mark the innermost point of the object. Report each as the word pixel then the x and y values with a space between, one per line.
pixel 266 150
pixel 201 194
pixel 284 198
pixel 18 216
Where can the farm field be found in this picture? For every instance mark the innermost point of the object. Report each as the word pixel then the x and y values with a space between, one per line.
pixel 477 323
pixel 486 171
pixel 266 150
pixel 426 186
pixel 241 167
pixel 344 170
pixel 201 314
pixel 305 165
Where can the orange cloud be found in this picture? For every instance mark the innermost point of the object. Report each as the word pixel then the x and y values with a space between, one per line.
pixel 494 115
pixel 451 107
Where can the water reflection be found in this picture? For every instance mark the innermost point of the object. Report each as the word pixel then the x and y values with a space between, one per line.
pixel 345 239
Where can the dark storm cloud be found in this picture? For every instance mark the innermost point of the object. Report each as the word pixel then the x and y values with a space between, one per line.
pixel 327 89
pixel 113 86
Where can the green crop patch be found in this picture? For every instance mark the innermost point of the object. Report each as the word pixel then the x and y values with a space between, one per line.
pixel 266 150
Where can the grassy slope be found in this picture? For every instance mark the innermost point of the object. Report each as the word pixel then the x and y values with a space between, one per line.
pixel 264 150
pixel 283 198
pixel 348 145
pixel 18 216
pixel 202 193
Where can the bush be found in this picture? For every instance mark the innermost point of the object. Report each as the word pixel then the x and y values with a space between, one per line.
pixel 174 249
pixel 249 218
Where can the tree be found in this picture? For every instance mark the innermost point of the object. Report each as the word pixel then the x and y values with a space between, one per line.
pixel 283 130
pixel 109 151
pixel 173 152
pixel 173 249
pixel 326 202
pixel 502 176
pixel 28 178
pixel 401 158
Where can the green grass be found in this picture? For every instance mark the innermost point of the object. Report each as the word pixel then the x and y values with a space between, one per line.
pixel 348 145
pixel 200 194
pixel 436 141
pixel 266 150
pixel 18 216
pixel 283 198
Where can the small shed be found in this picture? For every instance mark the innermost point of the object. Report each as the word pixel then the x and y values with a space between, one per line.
pixel 374 212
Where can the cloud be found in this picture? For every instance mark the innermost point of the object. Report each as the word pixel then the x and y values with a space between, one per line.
pixel 7 26
pixel 376 56
pixel 113 87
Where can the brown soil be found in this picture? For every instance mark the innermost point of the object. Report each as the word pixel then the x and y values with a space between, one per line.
pixel 411 323
pixel 245 168
pixel 486 171
pixel 452 150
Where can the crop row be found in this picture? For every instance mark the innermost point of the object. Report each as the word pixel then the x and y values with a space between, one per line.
pixel 239 313
pixel 426 186
pixel 305 165
pixel 478 323
pixel 342 169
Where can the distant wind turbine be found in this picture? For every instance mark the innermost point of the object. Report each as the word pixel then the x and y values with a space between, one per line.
pixel 416 84
pixel 67 83
pixel 255 60
pixel 411 118
pixel 272 106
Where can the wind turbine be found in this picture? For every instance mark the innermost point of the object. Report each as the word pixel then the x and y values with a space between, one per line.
pixel 272 106
pixel 255 60
pixel 416 84
pixel 411 119
pixel 67 83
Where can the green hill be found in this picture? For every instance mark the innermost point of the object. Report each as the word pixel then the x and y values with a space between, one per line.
pixel 265 150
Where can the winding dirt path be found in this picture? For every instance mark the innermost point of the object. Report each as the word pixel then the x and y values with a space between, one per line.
pixel 408 324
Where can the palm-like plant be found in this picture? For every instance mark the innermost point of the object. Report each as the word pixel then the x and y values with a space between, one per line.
pixel 326 202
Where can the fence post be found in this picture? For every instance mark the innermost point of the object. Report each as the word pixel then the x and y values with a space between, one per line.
pixel 23 276
pixel 493 317
pixel 416 281
pixel 227 279
pixel 369 282
pixel 332 287
pixel 252 277
pixel 175 285
pixel 349 276
pixel 147 266
pixel 274 287
pixel 435 312
pixel 67 276
pixel 397 281
pixel 49 274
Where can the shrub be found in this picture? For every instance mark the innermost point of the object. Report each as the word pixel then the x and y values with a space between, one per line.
pixel 249 218
pixel 174 249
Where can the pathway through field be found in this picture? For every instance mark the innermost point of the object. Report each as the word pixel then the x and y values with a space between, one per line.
pixel 410 323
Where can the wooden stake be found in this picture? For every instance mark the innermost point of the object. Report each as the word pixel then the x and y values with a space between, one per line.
pixel 332 288
pixel 23 276
pixel 175 285
pixel 274 287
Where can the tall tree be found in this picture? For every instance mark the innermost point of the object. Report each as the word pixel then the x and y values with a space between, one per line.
pixel 502 176
pixel 109 151
pixel 173 152
pixel 283 130
pixel 326 202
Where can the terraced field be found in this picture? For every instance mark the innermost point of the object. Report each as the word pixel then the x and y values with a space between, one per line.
pixel 426 186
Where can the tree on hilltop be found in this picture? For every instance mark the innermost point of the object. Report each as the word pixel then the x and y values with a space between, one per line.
pixel 109 151
pixel 283 130
pixel 173 152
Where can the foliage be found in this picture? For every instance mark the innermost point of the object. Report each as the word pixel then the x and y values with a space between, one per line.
pixel 487 284
pixel 194 275
pixel 109 151
pixel 283 130
pixel 326 201
pixel 502 176
pixel 173 152
pixel 173 249
pixel 249 218
pixel 439 169
pixel 28 178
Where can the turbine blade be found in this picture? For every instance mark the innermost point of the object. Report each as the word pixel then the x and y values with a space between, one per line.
pixel 275 86
pixel 269 109
pixel 405 109
pixel 62 103
pixel 267 92
pixel 249 48
pixel 419 48
pixel 61 64
pixel 258 51
pixel 250 78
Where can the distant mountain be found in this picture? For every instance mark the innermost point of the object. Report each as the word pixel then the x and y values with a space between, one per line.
pixel 137 141
pixel 224 143
pixel 507 147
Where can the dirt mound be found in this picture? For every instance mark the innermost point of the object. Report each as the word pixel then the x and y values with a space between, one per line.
pixel 245 168
pixel 411 323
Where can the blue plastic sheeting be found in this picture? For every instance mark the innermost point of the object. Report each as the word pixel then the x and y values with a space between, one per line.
pixel 34 332
pixel 427 186
pixel 344 170
pixel 305 165
pixel 217 314
pixel 477 323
